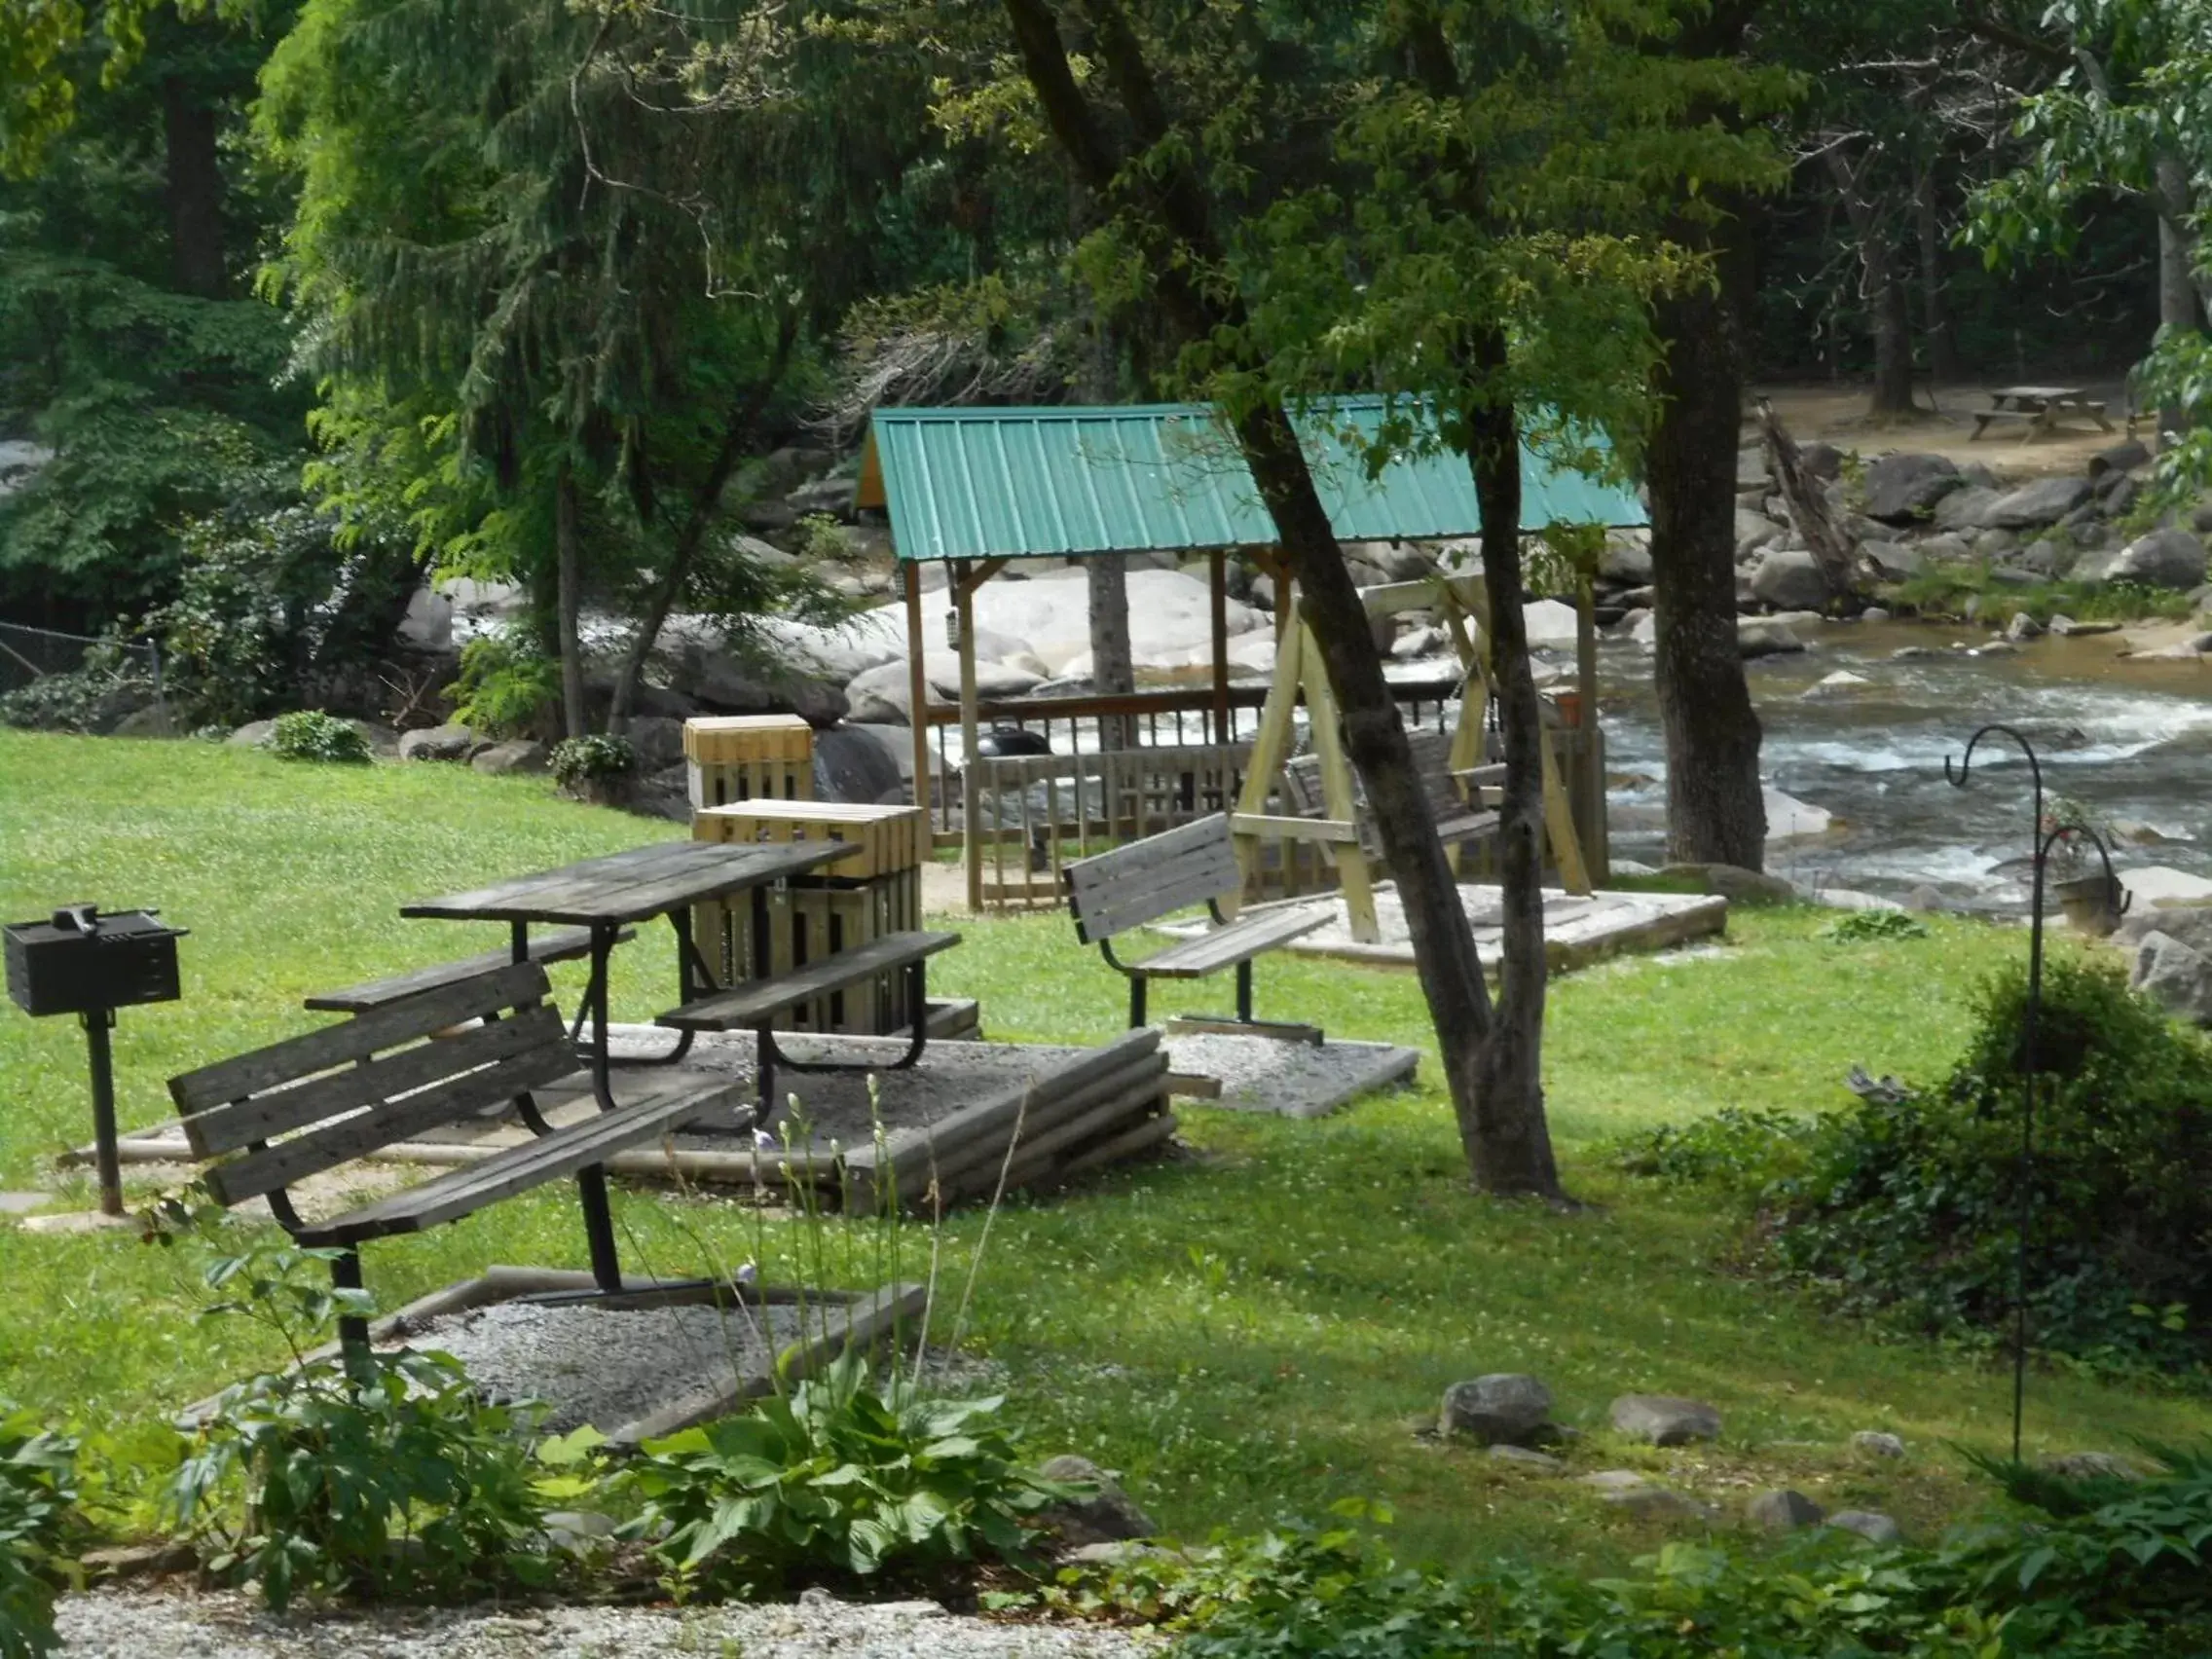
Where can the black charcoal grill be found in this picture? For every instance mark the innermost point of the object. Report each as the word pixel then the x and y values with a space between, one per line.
pixel 88 964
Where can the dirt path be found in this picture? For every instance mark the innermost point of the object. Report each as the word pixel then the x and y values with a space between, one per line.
pixel 1837 414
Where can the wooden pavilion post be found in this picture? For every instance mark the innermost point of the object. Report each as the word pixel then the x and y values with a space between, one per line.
pixel 919 695
pixel 971 798
pixel 1217 576
pixel 1589 751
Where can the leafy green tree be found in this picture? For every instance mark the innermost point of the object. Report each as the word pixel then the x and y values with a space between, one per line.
pixel 1424 200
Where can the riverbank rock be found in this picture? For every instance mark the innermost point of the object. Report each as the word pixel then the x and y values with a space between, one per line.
pixel 1109 1516
pixel 1760 637
pixel 1966 509
pixel 2089 1466
pixel 1736 884
pixel 1505 1408
pixel 525 754
pixel 2175 975
pixel 1784 1510
pixel 2123 457
pixel 439 743
pixel 1877 1443
pixel 1665 1420
pixel 1903 489
pixel 1894 560
pixel 2066 628
pixel 2154 887
pixel 1523 1456
pixel 2164 559
pixel 2033 505
pixel 1790 578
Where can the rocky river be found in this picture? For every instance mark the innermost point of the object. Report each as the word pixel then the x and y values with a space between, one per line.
pixel 2132 739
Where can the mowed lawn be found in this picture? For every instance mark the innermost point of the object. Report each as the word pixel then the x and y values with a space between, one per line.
pixel 1246 1330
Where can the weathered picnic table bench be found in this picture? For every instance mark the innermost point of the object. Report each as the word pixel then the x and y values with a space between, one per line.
pixel 2038 408
pixel 267 1121
pixel 1461 818
pixel 1113 893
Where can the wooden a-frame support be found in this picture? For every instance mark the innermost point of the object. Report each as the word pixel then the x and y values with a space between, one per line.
pixel 1463 608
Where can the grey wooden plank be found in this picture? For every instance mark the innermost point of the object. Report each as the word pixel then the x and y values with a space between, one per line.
pixel 564 946
pixel 1114 892
pixel 329 1094
pixel 1225 948
pixel 523 888
pixel 383 1123
pixel 1004 1107
pixel 474 1187
pixel 358 1038
pixel 744 1007
pixel 680 873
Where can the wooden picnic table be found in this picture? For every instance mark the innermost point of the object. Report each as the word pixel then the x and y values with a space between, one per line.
pixel 607 895
pixel 2038 408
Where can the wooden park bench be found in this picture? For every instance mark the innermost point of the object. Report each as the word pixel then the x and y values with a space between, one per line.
pixel 758 1004
pixel 2038 408
pixel 1112 893
pixel 271 1118
pixel 1460 821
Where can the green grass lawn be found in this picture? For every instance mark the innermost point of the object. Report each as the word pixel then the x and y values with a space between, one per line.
pixel 1244 1330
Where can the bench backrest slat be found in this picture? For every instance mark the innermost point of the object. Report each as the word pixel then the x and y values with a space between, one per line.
pixel 355 1039
pixel 1432 764
pixel 1114 892
pixel 384 1122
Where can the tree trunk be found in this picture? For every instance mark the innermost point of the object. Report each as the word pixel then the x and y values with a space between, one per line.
pixel 1505 1154
pixel 2177 303
pixel 1508 1141
pixel 1942 333
pixel 1881 284
pixel 1716 809
pixel 1112 667
pixel 569 581
pixel 195 191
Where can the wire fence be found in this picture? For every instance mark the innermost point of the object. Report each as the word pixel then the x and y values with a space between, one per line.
pixel 28 655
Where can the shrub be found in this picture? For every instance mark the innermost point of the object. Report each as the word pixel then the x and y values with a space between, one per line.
pixel 385 1477
pixel 310 734
pixel 578 762
pixel 1907 1204
pixel 1861 927
pixel 838 1477
pixel 37 1486
pixel 506 686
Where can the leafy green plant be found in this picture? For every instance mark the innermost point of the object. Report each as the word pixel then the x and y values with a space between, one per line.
pixel 37 1487
pixel 1863 926
pixel 383 1477
pixel 1737 1148
pixel 310 734
pixel 506 686
pixel 598 758
pixel 840 1476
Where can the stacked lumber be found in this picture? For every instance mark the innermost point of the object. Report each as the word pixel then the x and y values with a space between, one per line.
pixel 1109 1105
pixel 748 757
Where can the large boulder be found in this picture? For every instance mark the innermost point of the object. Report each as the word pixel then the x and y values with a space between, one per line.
pixel 2175 975
pixel 1550 623
pixel 1665 1420
pixel 1627 556
pixel 1903 489
pixel 1735 884
pixel 2123 457
pixel 2033 505
pixel 864 764
pixel 1894 561
pixel 1505 1408
pixel 993 680
pixel 1755 531
pixel 1784 1510
pixel 2192 924
pixel 1967 509
pixel 656 740
pixel 882 696
pixel 1790 578
pixel 2164 559
pixel 1760 637
pixel 1750 468
pixel 1869 1524
pixel 717 680
pixel 439 743
pixel 524 754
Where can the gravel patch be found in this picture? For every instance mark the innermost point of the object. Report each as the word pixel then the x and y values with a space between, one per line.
pixel 228 1625
pixel 1294 1080
pixel 605 1366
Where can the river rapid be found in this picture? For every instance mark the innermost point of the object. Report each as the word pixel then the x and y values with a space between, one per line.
pixel 2132 739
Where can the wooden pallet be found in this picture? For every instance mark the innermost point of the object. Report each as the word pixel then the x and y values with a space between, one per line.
pixel 885 841
pixel 809 919
pixel 739 757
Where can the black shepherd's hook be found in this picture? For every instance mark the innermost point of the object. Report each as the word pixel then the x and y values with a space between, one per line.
pixel 2028 1057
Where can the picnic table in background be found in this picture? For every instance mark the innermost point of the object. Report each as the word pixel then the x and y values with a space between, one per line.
pixel 609 894
pixel 2038 408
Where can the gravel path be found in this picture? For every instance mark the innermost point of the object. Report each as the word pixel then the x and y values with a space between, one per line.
pixel 228 1625
pixel 1293 1080
pixel 605 1366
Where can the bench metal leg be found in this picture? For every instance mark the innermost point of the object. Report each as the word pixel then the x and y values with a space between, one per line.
pixel 694 980
pixel 599 1228
pixel 1244 991
pixel 1137 984
pixel 770 1056
pixel 352 1328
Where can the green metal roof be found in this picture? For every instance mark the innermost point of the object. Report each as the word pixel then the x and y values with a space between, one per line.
pixel 991 483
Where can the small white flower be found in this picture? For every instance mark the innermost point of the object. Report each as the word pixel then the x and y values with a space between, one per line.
pixel 764 1141
pixel 749 1275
